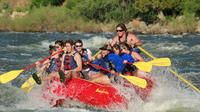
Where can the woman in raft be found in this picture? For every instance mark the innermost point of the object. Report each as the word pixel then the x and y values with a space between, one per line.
pixel 129 57
pixel 68 66
pixel 51 66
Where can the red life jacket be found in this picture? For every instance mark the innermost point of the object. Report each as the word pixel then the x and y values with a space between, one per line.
pixel 58 62
pixel 67 63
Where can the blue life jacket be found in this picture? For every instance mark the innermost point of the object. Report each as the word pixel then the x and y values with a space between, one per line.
pixel 136 50
pixel 127 57
pixel 94 68
pixel 128 67
pixel 84 57
pixel 115 60
pixel 69 62
pixel 111 61
pixel 55 65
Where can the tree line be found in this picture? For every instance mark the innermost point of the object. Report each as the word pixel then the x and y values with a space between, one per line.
pixel 124 10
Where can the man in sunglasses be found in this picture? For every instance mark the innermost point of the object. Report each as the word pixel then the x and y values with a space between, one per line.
pixel 124 36
pixel 86 56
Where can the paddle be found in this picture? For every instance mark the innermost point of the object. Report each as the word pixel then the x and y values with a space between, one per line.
pixel 28 85
pixel 147 66
pixel 133 79
pixel 187 82
pixel 97 53
pixel 6 77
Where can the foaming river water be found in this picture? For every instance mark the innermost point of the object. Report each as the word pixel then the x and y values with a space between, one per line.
pixel 170 94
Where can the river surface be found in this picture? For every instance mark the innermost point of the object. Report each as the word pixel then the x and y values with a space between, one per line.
pixel 170 94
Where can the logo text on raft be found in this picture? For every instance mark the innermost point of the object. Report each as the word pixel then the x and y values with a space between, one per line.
pixel 102 91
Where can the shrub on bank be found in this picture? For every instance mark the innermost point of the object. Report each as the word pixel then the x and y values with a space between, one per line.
pixel 49 19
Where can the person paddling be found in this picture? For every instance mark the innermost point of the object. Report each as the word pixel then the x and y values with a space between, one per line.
pixel 129 57
pixel 51 66
pixel 71 61
pixel 110 61
pixel 127 37
pixel 86 56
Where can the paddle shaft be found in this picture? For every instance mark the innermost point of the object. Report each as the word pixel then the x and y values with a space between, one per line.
pixel 142 83
pixel 130 63
pixel 187 82
pixel 43 60
pixel 97 53
pixel 102 68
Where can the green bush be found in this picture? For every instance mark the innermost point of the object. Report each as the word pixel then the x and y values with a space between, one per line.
pixel 6 5
pixel 72 3
pixel 39 3
pixel 190 6
pixel 106 10
pixel 149 17
pixel 22 9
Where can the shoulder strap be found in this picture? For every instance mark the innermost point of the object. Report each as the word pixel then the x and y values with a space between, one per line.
pixel 126 35
pixel 119 38
pixel 74 54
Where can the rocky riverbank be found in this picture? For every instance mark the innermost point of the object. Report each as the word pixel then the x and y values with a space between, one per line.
pixel 160 28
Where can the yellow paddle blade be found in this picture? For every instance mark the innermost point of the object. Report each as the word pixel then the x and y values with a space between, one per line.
pixel 28 85
pixel 144 66
pixel 136 80
pixel 6 77
pixel 161 62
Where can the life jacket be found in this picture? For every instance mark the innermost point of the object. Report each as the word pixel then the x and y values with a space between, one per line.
pixel 84 57
pixel 69 62
pixel 61 54
pixel 105 64
pixel 55 65
pixel 127 57
pixel 129 68
pixel 132 49
pixel 114 61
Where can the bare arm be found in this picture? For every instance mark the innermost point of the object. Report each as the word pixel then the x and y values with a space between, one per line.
pixel 133 40
pixel 44 66
pixel 62 62
pixel 137 56
pixel 114 41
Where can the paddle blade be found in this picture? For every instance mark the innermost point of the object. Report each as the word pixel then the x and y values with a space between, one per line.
pixel 136 81
pixel 161 62
pixel 28 85
pixel 6 77
pixel 144 66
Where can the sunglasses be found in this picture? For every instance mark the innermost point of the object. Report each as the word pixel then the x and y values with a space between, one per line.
pixel 78 45
pixel 119 30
